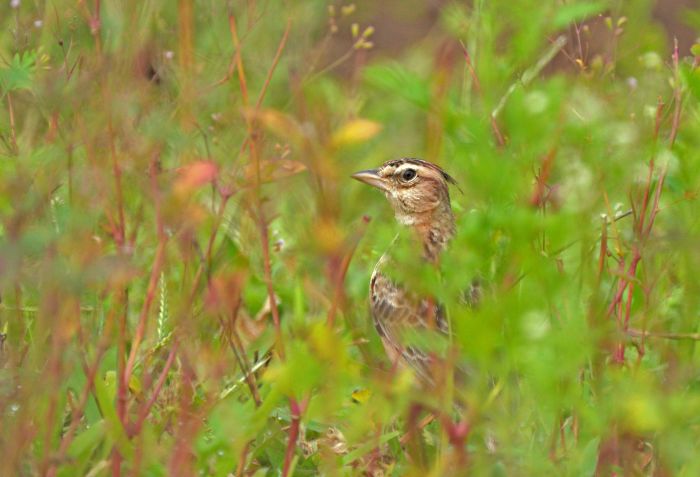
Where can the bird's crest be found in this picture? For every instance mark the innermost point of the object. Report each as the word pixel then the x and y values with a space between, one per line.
pixel 420 162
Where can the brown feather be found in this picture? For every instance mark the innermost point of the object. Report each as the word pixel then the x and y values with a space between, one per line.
pixel 421 202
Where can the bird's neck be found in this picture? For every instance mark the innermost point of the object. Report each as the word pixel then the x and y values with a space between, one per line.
pixel 435 228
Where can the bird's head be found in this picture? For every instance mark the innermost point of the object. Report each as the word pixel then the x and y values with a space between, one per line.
pixel 416 189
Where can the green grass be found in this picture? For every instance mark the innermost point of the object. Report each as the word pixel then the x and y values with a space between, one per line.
pixel 184 259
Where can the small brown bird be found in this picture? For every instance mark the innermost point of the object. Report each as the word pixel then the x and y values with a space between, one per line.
pixel 419 193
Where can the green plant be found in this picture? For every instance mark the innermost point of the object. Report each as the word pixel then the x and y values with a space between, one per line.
pixel 184 259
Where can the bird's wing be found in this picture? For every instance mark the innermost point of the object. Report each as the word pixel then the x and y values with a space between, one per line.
pixel 396 313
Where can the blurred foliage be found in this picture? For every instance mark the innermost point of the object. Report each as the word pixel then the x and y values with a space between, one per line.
pixel 184 260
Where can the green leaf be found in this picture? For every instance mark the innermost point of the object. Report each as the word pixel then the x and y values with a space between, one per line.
pixel 88 440
pixel 105 392
pixel 19 74
pixel 576 12
pixel 691 77
pixel 397 80
pixel 589 458
pixel 298 374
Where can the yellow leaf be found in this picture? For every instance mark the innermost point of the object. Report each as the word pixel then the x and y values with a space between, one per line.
pixel 643 414
pixel 361 395
pixel 135 385
pixel 357 130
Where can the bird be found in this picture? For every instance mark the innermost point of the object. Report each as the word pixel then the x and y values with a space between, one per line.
pixel 418 191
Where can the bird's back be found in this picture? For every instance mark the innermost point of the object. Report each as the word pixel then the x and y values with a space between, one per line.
pixel 396 311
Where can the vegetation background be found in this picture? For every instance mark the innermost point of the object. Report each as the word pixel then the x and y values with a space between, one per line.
pixel 184 260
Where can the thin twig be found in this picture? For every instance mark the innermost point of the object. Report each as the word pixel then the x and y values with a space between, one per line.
pixel 238 58
pixel 622 286
pixel 275 60
pixel 239 354
pixel 150 296
pixel 242 460
pixel 156 391
pixel 603 249
pixel 662 334
pixel 538 198
pixel 253 369
pixel 530 73
pixel 477 87
pixel 13 133
pixel 122 384
pixel 117 171
pixel 677 96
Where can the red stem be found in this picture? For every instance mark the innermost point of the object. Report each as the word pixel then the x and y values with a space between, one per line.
pixel 642 231
pixel 136 428
pixel 153 281
pixel 296 411
pixel 538 196
pixel 342 272
pixel 150 296
pixel 77 412
pixel 647 190
pixel 122 385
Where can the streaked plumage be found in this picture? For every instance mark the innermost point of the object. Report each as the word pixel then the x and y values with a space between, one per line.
pixel 418 192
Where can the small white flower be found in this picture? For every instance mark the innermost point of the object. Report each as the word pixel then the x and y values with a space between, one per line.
pixel 38 23
pixel 14 3
pixel 536 325
pixel 169 55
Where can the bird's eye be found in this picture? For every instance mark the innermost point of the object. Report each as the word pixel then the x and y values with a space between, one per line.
pixel 408 175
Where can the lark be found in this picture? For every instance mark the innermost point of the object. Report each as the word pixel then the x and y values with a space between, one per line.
pixel 419 193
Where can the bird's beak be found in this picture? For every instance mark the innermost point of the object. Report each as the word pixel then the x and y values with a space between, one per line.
pixel 371 177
